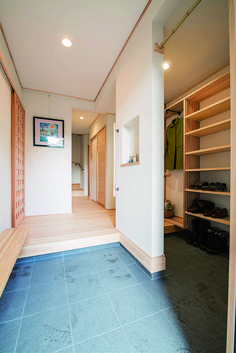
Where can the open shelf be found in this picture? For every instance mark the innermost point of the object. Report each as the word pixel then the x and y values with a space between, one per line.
pixel 218 85
pixel 129 164
pixel 177 221
pixel 209 151
pixel 222 193
pixel 207 169
pixel 213 109
pixel 210 129
pixel 225 220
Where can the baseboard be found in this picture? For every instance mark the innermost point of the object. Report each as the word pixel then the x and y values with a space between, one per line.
pixel 152 264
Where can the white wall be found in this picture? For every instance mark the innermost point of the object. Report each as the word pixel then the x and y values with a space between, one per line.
pixel 48 170
pixel 106 120
pixel 5 154
pixel 76 157
pixel 139 92
pixel 85 142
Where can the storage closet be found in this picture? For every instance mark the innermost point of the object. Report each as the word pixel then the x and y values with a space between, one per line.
pixel 206 144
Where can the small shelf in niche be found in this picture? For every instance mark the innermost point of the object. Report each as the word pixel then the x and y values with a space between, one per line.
pixel 130 142
pixel 129 164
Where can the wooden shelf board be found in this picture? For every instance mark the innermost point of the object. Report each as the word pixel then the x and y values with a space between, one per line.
pixel 222 193
pixel 177 221
pixel 129 164
pixel 210 89
pixel 210 129
pixel 209 151
pixel 211 110
pixel 167 174
pixel 225 220
pixel 207 169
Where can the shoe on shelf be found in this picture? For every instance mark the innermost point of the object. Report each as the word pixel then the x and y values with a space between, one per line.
pixel 221 213
pixel 201 206
pixel 199 185
pixel 194 208
pixel 209 213
pixel 215 187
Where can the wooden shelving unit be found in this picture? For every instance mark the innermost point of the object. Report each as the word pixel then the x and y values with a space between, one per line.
pixel 177 221
pixel 209 151
pixel 192 142
pixel 222 193
pixel 211 129
pixel 225 220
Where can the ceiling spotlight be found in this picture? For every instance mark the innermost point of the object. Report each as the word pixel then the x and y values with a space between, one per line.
pixel 166 66
pixel 81 117
pixel 66 42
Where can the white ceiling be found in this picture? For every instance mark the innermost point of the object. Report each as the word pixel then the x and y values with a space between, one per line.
pixel 81 127
pixel 99 29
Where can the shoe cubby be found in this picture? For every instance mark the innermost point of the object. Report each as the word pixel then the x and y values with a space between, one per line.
pixel 207 146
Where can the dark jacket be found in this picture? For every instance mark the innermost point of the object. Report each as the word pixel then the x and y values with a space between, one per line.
pixel 174 145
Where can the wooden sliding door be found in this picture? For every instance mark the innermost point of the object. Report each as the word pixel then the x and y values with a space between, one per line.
pixel 18 161
pixel 101 167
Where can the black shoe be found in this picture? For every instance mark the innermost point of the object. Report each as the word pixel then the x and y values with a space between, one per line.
pixel 193 238
pixel 208 239
pixel 203 225
pixel 219 243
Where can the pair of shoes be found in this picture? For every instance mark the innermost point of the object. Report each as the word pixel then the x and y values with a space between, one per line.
pixel 215 241
pixel 199 185
pixel 197 237
pixel 217 213
pixel 201 206
pixel 215 187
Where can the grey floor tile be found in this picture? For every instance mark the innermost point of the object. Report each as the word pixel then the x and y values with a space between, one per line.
pixel 138 273
pixel 117 278
pixel 19 278
pixel 123 255
pixel 218 347
pixel 8 336
pixel 159 333
pixel 78 265
pixel 164 292
pixel 12 305
pixel 45 332
pixel 131 304
pixel 66 350
pixel 47 296
pixel 92 317
pixel 112 342
pixel 50 270
pixel 105 260
pixel 84 287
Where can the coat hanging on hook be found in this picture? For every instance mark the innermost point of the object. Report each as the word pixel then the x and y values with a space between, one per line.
pixel 174 145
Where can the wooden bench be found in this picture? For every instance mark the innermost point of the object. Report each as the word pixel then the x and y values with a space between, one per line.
pixel 11 243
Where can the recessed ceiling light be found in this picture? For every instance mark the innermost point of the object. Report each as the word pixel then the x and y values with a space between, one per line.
pixel 66 42
pixel 166 66
pixel 81 117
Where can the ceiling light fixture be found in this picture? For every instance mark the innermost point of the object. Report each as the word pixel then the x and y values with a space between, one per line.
pixel 66 42
pixel 81 117
pixel 166 66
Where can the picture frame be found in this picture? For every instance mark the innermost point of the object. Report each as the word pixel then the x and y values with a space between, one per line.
pixel 48 132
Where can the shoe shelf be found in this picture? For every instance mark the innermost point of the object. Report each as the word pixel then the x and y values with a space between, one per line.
pixel 225 220
pixel 222 193
pixel 213 109
pixel 210 129
pixel 207 169
pixel 211 150
pixel 177 221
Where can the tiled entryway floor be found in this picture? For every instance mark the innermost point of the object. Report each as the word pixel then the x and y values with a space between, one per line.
pixel 100 300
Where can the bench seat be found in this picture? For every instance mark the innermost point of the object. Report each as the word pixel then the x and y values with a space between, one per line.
pixel 11 243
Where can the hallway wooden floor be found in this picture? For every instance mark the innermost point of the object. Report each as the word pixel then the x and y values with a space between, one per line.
pixel 89 224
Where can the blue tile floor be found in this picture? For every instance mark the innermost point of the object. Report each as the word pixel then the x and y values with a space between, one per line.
pixel 100 300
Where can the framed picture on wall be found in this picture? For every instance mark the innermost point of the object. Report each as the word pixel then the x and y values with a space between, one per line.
pixel 48 132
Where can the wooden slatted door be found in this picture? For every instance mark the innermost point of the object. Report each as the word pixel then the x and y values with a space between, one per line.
pixel 101 167
pixel 18 161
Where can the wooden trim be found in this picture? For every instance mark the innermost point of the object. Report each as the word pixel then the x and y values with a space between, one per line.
pixel 57 94
pixel 129 164
pixel 140 18
pixel 152 264
pixel 9 51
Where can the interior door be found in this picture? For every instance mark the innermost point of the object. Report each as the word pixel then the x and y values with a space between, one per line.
pixel 101 167
pixel 18 161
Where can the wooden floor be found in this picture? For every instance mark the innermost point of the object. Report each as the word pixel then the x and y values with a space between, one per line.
pixel 89 224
